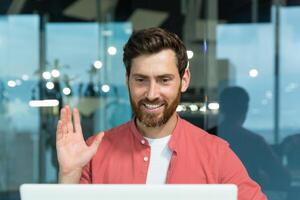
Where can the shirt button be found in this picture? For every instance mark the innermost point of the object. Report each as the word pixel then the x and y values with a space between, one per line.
pixel 146 158
pixel 143 141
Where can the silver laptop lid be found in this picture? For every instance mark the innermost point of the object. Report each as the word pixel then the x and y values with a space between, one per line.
pixel 128 192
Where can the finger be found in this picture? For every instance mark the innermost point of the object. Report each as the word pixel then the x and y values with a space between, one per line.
pixel 97 141
pixel 63 115
pixel 59 132
pixel 69 120
pixel 76 117
pixel 64 130
pixel 64 120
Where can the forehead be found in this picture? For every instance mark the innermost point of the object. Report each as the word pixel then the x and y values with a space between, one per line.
pixel 163 62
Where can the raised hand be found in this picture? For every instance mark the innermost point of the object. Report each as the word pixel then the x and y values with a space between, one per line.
pixel 72 151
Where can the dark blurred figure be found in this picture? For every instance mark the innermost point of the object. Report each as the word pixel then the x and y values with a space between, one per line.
pixel 261 162
pixel 290 149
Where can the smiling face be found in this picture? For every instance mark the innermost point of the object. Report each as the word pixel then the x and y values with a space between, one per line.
pixel 155 87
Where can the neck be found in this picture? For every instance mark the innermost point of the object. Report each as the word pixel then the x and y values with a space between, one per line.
pixel 158 132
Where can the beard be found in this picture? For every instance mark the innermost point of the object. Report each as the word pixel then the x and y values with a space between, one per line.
pixel 154 119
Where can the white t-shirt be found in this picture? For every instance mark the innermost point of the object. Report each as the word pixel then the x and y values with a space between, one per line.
pixel 160 157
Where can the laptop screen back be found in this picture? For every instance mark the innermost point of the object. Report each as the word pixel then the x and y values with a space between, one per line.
pixel 127 192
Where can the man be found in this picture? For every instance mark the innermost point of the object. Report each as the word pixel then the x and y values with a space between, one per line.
pixel 157 146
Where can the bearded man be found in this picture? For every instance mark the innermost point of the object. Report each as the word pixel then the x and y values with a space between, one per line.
pixel 156 146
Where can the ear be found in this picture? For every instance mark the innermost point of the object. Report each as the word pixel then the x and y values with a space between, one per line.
pixel 185 81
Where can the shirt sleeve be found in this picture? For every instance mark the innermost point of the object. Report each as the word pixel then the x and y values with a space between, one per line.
pixel 86 175
pixel 231 170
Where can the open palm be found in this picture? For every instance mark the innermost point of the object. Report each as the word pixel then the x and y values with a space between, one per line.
pixel 72 151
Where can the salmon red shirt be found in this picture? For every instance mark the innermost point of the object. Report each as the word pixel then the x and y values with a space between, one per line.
pixel 197 158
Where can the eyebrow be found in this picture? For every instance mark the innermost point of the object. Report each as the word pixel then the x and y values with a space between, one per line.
pixel 159 76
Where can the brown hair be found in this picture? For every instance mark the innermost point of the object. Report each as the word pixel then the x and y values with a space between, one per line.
pixel 153 40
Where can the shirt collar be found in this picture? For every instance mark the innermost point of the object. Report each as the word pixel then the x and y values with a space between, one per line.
pixel 174 137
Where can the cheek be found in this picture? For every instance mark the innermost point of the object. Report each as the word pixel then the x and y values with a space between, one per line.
pixel 169 93
pixel 136 93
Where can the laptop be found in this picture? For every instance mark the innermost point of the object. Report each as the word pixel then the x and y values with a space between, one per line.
pixel 128 192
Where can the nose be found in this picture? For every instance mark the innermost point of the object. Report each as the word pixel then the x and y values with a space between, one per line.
pixel 153 91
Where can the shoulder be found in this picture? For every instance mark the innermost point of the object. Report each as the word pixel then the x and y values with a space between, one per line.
pixel 254 138
pixel 198 133
pixel 200 137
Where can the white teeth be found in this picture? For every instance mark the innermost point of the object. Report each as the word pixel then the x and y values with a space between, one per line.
pixel 151 106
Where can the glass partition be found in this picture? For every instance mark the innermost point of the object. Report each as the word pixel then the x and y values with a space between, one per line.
pixel 19 130
pixel 243 57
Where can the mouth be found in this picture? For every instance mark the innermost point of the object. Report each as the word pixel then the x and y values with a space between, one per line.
pixel 153 107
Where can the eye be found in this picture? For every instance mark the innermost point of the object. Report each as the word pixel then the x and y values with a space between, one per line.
pixel 165 80
pixel 139 80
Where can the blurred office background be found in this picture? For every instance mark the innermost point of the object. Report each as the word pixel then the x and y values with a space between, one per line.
pixel 245 87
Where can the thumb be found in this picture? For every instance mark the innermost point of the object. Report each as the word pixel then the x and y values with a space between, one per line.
pixel 97 140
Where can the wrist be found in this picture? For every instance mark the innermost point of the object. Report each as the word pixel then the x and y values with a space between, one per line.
pixel 69 177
